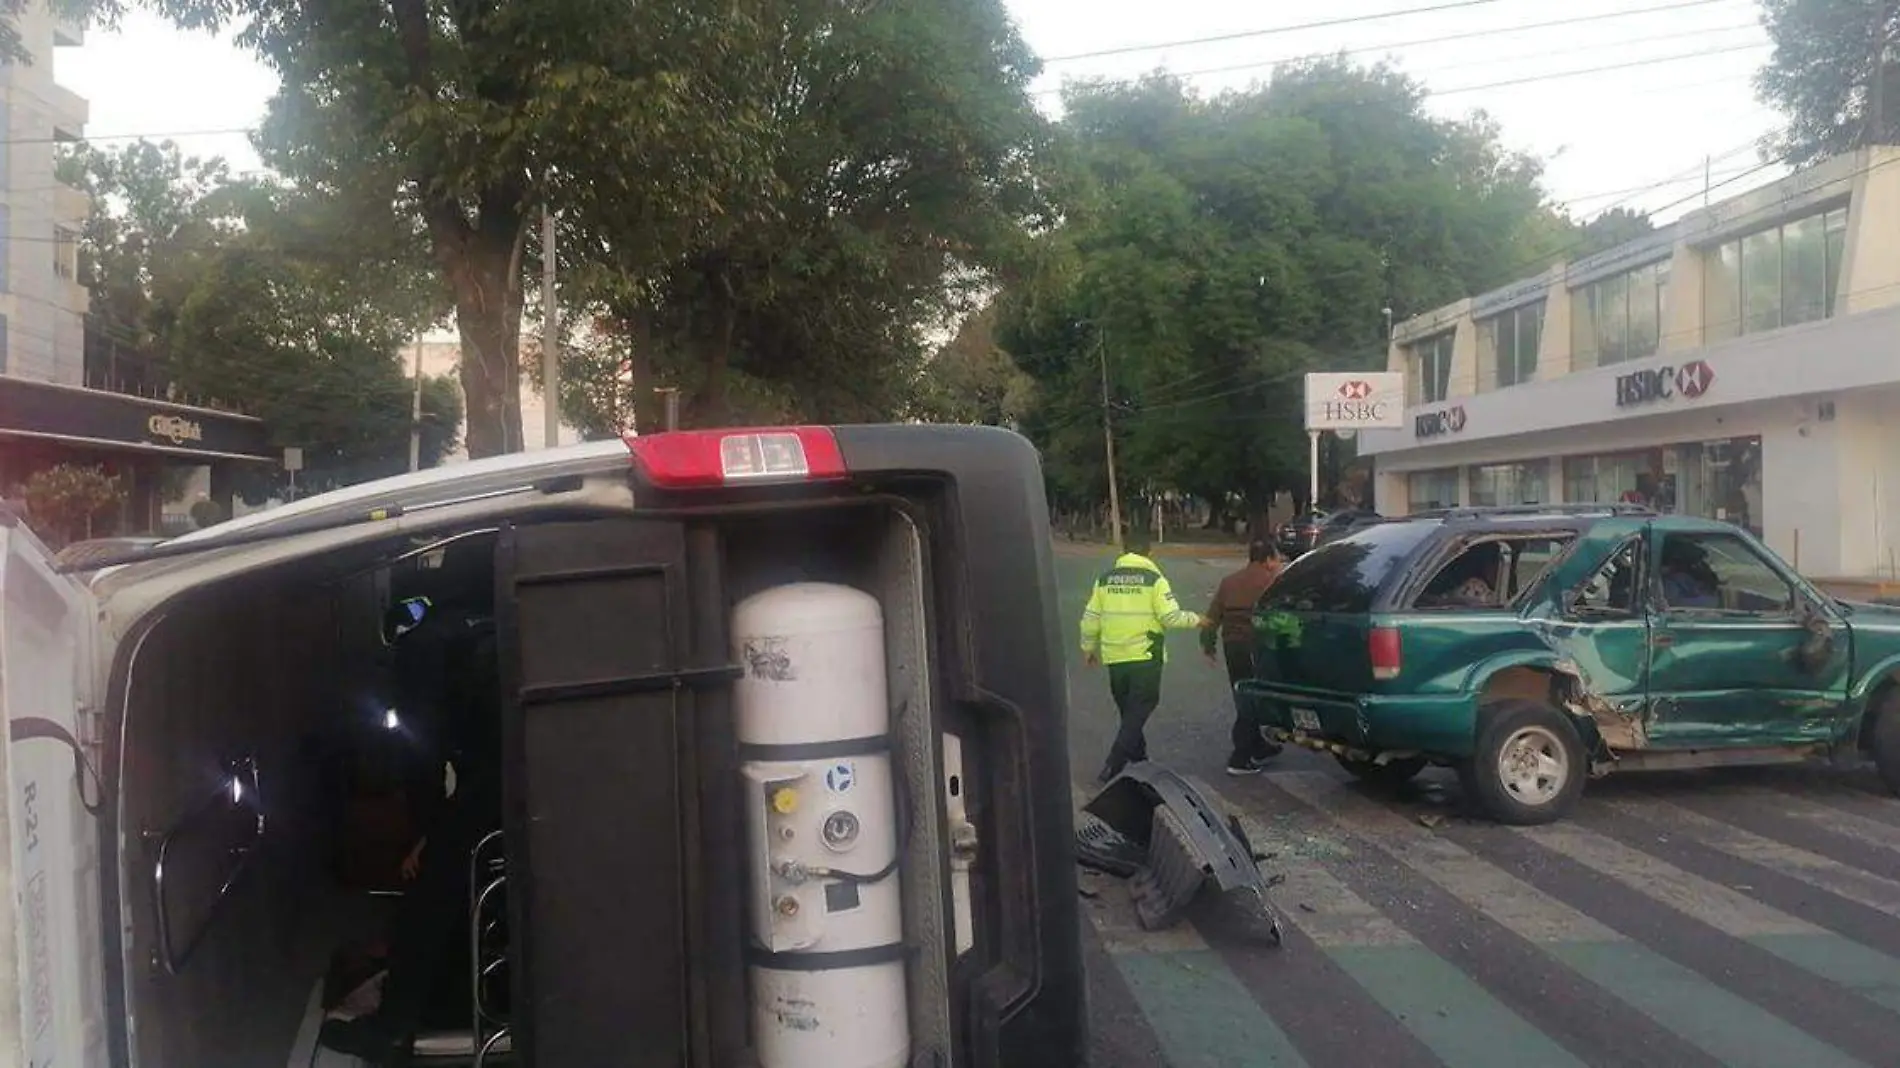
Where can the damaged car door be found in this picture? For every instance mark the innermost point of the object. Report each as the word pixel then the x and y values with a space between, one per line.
pixel 1743 653
pixel 1603 632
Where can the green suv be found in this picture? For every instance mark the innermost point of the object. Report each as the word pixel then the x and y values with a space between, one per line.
pixel 1532 648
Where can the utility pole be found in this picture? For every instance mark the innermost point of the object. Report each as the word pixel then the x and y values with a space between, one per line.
pixel 1108 442
pixel 415 414
pixel 550 336
pixel 672 397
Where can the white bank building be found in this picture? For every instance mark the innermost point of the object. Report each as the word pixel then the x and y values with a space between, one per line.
pixel 1741 364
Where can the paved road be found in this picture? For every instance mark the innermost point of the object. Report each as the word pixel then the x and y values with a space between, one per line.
pixel 1745 918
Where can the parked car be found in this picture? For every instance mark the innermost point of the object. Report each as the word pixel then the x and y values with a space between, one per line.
pixel 1532 648
pixel 1309 530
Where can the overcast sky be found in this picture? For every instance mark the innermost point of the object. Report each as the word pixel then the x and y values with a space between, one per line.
pixel 1610 137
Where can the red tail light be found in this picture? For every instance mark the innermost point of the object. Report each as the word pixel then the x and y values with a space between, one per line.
pixel 1383 646
pixel 698 459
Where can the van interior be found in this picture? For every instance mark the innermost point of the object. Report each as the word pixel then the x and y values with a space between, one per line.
pixel 268 772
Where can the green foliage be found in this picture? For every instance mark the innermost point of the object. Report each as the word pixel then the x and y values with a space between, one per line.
pixel 1608 230
pixel 270 300
pixel 972 380
pixel 634 119
pixel 1216 250
pixel 1830 57
pixel 66 502
pixel 897 156
pixel 207 513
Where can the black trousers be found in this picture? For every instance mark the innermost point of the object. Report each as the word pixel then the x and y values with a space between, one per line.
pixel 1136 688
pixel 1247 740
pixel 433 914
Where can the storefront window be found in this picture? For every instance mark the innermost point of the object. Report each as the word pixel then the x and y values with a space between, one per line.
pixel 1432 489
pixel 1780 276
pixel 1429 362
pixel 1507 346
pixel 1618 318
pixel 1503 485
pixel 1718 480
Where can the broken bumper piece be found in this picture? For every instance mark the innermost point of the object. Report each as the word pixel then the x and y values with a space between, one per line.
pixel 1163 832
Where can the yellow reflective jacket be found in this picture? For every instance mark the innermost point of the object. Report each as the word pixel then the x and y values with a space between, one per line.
pixel 1129 612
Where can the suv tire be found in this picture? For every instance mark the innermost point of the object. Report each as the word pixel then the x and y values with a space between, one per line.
pixel 1885 741
pixel 1529 764
pixel 1389 774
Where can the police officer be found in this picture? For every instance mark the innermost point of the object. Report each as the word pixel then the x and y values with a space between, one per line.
pixel 1125 627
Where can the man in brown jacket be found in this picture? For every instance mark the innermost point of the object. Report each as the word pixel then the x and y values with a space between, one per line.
pixel 1230 623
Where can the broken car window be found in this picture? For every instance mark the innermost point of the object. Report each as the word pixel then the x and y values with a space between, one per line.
pixel 1612 590
pixel 1491 573
pixel 1720 573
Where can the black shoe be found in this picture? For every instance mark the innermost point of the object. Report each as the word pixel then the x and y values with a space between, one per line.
pixel 366 1038
pixel 1107 775
pixel 1254 765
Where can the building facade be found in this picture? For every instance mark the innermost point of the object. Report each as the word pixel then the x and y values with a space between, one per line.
pixel 1742 364
pixel 63 398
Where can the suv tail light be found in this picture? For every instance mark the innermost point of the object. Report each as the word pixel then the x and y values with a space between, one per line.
pixel 1382 644
pixel 698 459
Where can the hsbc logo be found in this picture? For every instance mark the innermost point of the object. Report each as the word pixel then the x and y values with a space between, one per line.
pixel 1355 404
pixel 1432 424
pixel 1689 381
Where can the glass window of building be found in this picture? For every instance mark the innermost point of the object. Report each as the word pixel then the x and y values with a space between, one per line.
pixel 1507 346
pixel 1618 318
pixel 1428 380
pixel 1503 485
pixel 1426 490
pixel 1782 276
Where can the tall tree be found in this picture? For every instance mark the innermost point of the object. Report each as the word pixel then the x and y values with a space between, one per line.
pixel 471 117
pixel 1215 250
pixel 900 152
pixel 267 299
pixel 1834 75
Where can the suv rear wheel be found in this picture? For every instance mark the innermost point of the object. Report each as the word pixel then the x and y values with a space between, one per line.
pixel 1391 773
pixel 1529 765
pixel 1885 742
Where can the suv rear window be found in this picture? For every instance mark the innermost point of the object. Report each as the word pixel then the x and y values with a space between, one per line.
pixel 1345 575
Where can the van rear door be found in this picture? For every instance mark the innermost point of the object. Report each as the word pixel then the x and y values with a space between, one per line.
pixel 51 1011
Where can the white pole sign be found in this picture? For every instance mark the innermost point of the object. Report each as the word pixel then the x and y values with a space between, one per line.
pixel 1355 400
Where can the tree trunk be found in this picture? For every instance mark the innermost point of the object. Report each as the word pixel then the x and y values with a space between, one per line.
pixel 714 408
pixel 648 414
pixel 483 266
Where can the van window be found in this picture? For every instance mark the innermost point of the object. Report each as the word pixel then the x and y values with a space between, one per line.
pixel 1345 575
pixel 1492 573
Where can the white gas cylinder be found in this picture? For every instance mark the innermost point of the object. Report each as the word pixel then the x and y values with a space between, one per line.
pixel 813 717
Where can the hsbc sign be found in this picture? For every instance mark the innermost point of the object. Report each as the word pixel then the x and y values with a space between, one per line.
pixel 1355 401
pixel 1689 381
pixel 1444 421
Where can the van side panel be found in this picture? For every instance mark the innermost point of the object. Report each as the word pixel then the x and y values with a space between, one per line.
pixel 1009 678
pixel 50 966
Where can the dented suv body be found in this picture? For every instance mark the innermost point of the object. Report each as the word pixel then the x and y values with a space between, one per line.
pixel 1532 648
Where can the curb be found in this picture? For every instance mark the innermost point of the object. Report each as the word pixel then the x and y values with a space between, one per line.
pixel 1177 550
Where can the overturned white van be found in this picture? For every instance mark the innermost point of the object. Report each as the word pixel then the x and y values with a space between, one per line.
pixel 782 737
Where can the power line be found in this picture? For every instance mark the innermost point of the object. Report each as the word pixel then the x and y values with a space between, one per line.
pixel 1466 36
pixel 1604 69
pixel 1319 24
pixel 153 135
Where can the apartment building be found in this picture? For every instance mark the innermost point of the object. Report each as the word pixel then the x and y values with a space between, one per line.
pixel 54 407
pixel 1741 364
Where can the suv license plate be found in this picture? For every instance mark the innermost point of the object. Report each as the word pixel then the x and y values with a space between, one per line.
pixel 1305 719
